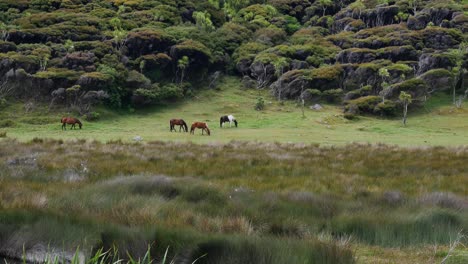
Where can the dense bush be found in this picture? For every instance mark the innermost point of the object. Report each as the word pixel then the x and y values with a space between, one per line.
pixel 334 44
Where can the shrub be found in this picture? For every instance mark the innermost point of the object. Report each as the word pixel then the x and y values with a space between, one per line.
pixel 388 108
pixel 260 104
pixel 92 116
pixel 7 123
pixel 364 104
pixel 333 95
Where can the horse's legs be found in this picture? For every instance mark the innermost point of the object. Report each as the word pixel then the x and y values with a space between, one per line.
pixel 180 127
pixel 64 126
pixel 202 130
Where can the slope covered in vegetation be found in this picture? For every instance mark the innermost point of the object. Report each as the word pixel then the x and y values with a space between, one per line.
pixel 135 53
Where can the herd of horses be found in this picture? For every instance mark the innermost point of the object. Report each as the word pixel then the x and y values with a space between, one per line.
pixel 172 123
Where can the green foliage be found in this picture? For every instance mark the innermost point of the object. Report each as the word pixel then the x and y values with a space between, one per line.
pixel 203 21
pixel 260 104
pixel 387 108
pixel 365 104
pixel 58 73
pixel 333 95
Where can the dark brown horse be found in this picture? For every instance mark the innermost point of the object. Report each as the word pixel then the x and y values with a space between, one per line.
pixel 70 120
pixel 180 122
pixel 201 125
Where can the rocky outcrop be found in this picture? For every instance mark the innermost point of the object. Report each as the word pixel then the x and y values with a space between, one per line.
pixel 438 80
pixel 148 41
pixel 398 53
pixel 428 61
pixel 81 61
pixel 355 55
pixel 263 73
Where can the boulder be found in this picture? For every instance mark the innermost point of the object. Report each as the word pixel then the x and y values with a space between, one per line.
pixel 428 61
pixel 263 73
pixel 299 65
pixel 356 55
pixel 82 61
pixel 438 79
pixel 316 107
pixel 401 53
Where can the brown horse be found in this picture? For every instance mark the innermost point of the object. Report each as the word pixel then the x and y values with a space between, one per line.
pixel 180 122
pixel 70 120
pixel 201 125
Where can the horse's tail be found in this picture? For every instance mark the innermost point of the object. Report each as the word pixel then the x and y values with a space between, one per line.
pixel 192 128
pixel 185 125
pixel 221 122
pixel 235 122
pixel 170 125
pixel 207 129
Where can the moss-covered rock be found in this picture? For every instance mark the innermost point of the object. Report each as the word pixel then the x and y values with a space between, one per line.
pixel 365 104
pixel 438 79
pixel 146 41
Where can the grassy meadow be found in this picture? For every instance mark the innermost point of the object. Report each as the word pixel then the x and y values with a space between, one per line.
pixel 280 188
pixel 435 124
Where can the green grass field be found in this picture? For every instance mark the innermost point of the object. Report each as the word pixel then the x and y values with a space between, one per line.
pixel 435 124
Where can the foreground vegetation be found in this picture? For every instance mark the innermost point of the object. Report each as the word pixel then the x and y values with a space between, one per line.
pixel 247 202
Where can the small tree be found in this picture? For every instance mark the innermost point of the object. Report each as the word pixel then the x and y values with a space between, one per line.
pixel 120 35
pixel 203 21
pixel 406 99
pixel 459 71
pixel 384 74
pixel 142 66
pixel 414 5
pixel 358 6
pixel 279 65
pixel 325 4
pixel 69 46
pixel 182 65
pixel 43 54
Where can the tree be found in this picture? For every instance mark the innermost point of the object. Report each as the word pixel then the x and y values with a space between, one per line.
pixel 232 6
pixel 203 21
pixel 182 65
pixel 414 4
pixel 279 65
pixel 142 66
pixel 120 35
pixel 459 71
pixel 384 74
pixel 358 6
pixel 325 4
pixel 43 54
pixel 406 99
pixel 4 32
pixel 69 46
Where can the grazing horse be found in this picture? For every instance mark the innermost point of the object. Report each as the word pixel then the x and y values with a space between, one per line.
pixel 201 125
pixel 180 122
pixel 228 118
pixel 70 120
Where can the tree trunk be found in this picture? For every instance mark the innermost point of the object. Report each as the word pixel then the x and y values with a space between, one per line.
pixel 405 112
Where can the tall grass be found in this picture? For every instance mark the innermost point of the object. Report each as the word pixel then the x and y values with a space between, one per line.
pixel 243 194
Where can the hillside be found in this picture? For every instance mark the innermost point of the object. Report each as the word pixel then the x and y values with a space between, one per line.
pixel 136 53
